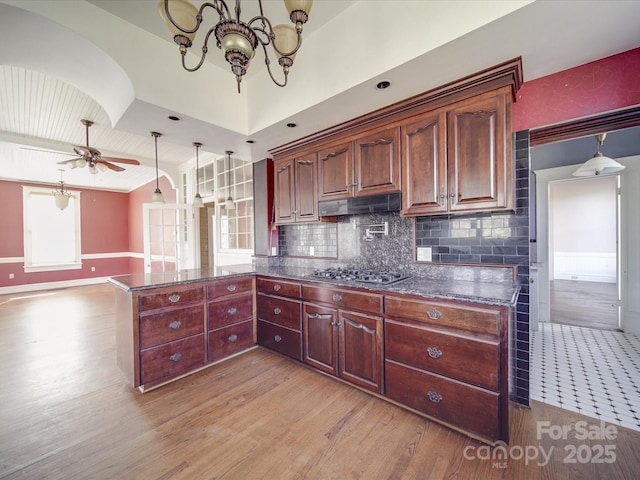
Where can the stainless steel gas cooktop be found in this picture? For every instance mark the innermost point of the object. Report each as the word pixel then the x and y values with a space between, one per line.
pixel 357 275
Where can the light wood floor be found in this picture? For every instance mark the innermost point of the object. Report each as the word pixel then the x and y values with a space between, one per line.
pixel 67 413
pixel 584 304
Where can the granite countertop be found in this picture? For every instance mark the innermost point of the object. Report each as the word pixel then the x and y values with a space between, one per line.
pixel 439 288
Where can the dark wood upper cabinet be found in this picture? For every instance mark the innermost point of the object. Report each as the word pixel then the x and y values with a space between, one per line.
pixel 335 172
pixel 479 155
pixel 284 190
pixel 424 177
pixel 296 188
pixel 306 188
pixel 458 158
pixel 377 162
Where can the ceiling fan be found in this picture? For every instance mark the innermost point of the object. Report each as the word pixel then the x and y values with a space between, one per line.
pixel 91 157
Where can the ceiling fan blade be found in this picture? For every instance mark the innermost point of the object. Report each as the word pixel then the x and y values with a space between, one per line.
pixel 121 160
pixel 111 166
pixel 64 162
pixel 42 150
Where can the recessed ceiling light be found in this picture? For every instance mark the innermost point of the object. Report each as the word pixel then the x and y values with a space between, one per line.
pixel 291 125
pixel 383 84
pixel 174 118
pixel 250 141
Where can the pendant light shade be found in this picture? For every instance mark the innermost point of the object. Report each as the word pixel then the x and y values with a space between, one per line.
pixel 229 204
pixel 61 195
pixel 598 164
pixel 157 195
pixel 197 200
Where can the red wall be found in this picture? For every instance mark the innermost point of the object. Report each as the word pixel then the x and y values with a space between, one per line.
pixel 607 84
pixel 111 224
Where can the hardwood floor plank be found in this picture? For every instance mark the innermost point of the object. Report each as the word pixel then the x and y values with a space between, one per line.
pixel 584 304
pixel 68 413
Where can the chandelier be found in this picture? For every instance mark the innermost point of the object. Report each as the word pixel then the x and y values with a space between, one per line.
pixel 238 39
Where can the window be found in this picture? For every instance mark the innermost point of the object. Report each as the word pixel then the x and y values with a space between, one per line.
pixel 236 226
pixel 51 235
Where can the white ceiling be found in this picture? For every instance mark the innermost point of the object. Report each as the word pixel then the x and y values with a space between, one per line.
pixel 41 107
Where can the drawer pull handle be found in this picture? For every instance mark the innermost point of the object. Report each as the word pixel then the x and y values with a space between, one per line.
pixel 277 311
pixel 176 324
pixel 320 315
pixel 336 297
pixel 434 352
pixel 435 397
pixel 277 338
pixel 233 338
pixel 175 357
pixel 174 298
pixel 434 314
pixel 277 287
pixel 231 288
pixel 232 311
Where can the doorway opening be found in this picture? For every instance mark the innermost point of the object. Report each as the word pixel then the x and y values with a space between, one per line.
pixel 583 252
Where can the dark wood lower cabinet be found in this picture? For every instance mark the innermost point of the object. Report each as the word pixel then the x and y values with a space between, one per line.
pixel 447 360
pixel 172 359
pixel 345 344
pixel 470 408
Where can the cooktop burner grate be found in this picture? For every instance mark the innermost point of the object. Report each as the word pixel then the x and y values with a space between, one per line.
pixel 359 275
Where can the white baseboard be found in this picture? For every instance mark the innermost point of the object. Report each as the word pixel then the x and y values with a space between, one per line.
pixel 585 278
pixel 33 287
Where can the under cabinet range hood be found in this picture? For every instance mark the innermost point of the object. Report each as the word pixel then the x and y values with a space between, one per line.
pixel 388 202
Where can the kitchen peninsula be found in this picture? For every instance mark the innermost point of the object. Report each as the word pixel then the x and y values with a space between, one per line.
pixel 437 345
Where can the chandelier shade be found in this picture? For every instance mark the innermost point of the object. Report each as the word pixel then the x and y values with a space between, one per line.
pixel 238 40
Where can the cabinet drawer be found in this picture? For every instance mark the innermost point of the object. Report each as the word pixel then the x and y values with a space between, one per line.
pixel 462 358
pixel 230 340
pixel 172 359
pixel 473 319
pixel 281 311
pixel 280 339
pixel 171 298
pixel 230 311
pixel 170 325
pixel 468 407
pixel 278 287
pixel 369 302
pixel 229 286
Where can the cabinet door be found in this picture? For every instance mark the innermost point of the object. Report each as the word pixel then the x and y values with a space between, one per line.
pixel 424 177
pixel 320 341
pixel 284 192
pixel 361 358
pixel 335 172
pixel 377 163
pixel 479 155
pixel 306 188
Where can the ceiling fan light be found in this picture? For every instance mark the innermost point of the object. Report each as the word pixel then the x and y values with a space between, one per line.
pixel 93 169
pixel 81 162
pixel 101 166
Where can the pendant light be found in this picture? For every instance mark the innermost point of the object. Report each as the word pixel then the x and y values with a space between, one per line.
pixel 598 164
pixel 197 200
pixel 157 195
pixel 229 204
pixel 61 195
